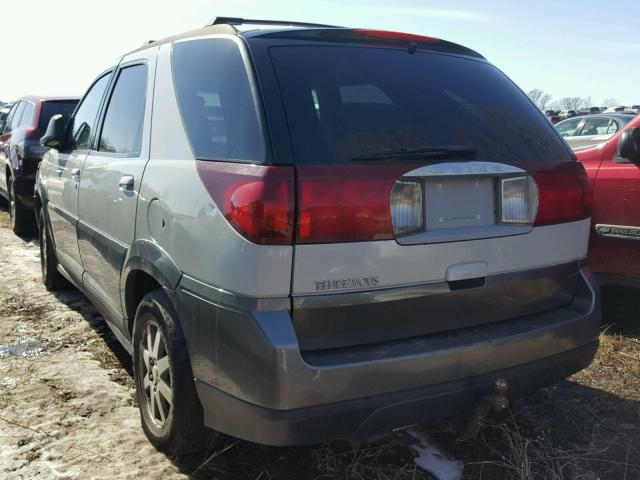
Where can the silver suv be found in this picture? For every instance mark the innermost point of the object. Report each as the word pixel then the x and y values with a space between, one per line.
pixel 303 232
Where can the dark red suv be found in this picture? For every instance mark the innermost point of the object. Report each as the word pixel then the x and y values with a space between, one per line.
pixel 21 152
pixel 614 172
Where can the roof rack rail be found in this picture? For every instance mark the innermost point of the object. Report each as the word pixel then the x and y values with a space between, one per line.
pixel 241 21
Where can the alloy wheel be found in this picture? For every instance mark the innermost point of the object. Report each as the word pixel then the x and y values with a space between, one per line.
pixel 156 374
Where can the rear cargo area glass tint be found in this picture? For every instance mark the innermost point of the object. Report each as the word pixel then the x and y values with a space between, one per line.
pixel 51 108
pixel 343 102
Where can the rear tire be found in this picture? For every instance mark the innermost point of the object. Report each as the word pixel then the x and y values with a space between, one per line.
pixel 51 277
pixel 170 410
pixel 22 219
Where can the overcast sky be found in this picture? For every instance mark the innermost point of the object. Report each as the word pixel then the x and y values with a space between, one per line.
pixel 567 48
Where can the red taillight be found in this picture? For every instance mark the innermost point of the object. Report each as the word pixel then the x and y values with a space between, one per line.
pixel 564 194
pixel 257 200
pixel 345 203
pixel 386 35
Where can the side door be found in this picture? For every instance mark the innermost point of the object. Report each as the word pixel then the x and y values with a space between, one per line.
pixel 62 183
pixel 111 178
pixel 616 213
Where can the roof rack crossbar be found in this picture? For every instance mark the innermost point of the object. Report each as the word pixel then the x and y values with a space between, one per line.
pixel 241 21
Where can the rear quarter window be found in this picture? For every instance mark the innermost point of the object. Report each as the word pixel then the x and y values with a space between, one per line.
pixel 216 101
pixel 54 107
pixel 344 102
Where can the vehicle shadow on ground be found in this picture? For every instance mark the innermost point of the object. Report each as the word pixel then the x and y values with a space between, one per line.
pixel 111 354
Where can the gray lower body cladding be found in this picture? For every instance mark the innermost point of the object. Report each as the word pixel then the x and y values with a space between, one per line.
pixel 256 383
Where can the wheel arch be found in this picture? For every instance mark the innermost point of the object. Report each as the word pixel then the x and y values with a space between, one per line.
pixel 146 267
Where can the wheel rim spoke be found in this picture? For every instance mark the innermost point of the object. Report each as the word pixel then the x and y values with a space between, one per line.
pixel 153 404
pixel 165 390
pixel 163 417
pixel 163 365
pixel 149 341
pixel 156 344
pixel 145 357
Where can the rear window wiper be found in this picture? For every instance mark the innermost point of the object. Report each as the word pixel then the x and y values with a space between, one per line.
pixel 423 153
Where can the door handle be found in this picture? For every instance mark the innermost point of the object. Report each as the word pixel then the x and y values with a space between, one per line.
pixel 126 182
pixel 75 174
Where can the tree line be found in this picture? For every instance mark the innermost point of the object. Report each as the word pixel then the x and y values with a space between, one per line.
pixel 543 101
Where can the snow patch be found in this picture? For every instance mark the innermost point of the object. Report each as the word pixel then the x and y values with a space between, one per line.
pixel 431 458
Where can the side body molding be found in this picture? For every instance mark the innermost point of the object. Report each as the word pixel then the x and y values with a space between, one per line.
pixel 148 257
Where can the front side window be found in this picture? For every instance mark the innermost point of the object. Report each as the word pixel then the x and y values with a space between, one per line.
pixel 83 122
pixel 7 124
pixel 124 120
pixel 15 121
pixel 216 101
pixel 568 127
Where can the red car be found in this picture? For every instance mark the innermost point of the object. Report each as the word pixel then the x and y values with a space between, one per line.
pixel 614 173
pixel 21 152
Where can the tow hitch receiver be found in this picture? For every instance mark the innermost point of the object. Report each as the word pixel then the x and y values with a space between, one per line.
pixel 496 401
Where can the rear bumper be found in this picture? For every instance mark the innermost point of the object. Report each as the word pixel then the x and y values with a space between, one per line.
pixel 365 418
pixel 255 383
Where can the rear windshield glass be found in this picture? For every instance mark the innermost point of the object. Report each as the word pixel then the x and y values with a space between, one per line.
pixel 51 108
pixel 349 102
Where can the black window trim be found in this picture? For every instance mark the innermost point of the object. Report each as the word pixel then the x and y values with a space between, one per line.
pixel 256 96
pixel 67 147
pixel 95 142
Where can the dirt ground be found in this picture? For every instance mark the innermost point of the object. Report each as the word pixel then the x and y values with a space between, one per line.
pixel 67 407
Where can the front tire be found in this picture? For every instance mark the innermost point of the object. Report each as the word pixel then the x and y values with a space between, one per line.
pixel 51 277
pixel 22 219
pixel 170 410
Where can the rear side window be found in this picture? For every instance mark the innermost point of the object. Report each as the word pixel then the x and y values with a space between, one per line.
pixel 346 102
pixel 595 126
pixel 83 122
pixel 613 127
pixel 27 114
pixel 51 108
pixel 124 120
pixel 216 101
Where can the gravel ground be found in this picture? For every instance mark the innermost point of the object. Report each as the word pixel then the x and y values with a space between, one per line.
pixel 67 407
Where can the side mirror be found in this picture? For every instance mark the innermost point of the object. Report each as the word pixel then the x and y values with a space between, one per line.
pixel 629 145
pixel 1 126
pixel 54 136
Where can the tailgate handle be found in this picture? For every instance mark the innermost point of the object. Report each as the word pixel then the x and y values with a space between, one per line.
pixel 467 271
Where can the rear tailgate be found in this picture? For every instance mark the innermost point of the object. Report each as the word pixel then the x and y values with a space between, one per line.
pixel 431 195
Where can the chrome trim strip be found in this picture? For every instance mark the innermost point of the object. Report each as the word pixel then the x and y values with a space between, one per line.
pixel 464 168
